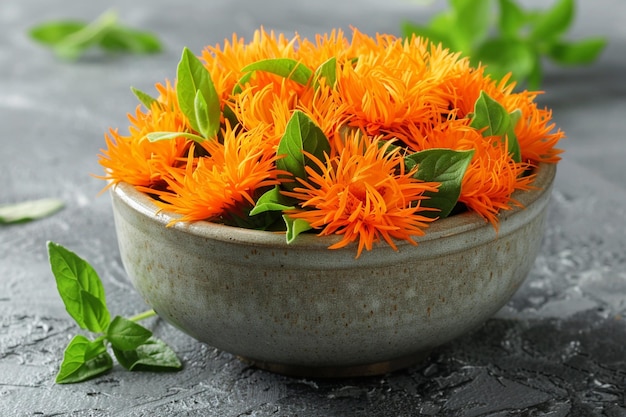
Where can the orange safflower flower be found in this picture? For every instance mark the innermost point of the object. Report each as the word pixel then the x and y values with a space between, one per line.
pixel 363 194
pixel 491 179
pixel 492 175
pixel 134 159
pixel 391 85
pixel 224 183
pixel 536 133
pixel 386 92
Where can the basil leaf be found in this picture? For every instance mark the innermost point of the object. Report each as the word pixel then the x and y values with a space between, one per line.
pixel 145 98
pixel 295 227
pixel 445 166
pixel 490 114
pixel 230 116
pixel 284 67
pixel 29 210
pixel 472 22
pixel 554 22
pixel 83 360
pixel 193 79
pixel 272 200
pixel 73 45
pixel 125 334
pixel 238 88
pixel 120 38
pixel 513 144
pixel 153 355
pixel 51 33
pixel 576 53
pixel 328 71
pixel 512 18
pixel 301 134
pixel 201 109
pixel 80 288
pixel 505 55
pixel 157 136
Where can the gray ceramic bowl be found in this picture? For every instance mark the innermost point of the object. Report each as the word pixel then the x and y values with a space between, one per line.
pixel 302 309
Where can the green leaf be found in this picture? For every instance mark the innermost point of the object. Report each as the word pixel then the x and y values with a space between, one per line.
pixel 145 98
pixel 82 360
pixel 502 56
pixel 80 288
pixel 283 67
pixel 272 200
pixel 445 166
pixel 237 89
pixel 490 114
pixel 157 136
pixel 472 19
pixel 554 22
pixel 512 18
pixel 124 39
pixel 125 334
pixel 576 53
pixel 512 142
pixel 201 109
pixel 51 33
pixel 74 44
pixel 328 71
pixel 153 355
pixel 301 134
pixel 295 227
pixel 230 115
pixel 71 38
pixel 29 210
pixel 193 79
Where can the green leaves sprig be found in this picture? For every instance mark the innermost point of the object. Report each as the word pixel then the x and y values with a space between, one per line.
pixel 197 98
pixel 494 120
pixel 29 210
pixel 70 38
pixel 445 166
pixel 517 43
pixel 83 294
pixel 302 137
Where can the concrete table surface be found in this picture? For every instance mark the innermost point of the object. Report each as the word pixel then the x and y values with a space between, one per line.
pixel 557 349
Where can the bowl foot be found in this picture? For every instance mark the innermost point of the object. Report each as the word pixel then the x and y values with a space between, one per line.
pixel 378 368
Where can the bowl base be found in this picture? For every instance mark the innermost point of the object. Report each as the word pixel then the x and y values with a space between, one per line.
pixel 351 371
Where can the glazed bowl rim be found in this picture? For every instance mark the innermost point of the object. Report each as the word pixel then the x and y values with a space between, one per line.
pixel 451 226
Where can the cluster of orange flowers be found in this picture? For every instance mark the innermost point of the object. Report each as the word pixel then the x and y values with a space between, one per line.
pixel 388 91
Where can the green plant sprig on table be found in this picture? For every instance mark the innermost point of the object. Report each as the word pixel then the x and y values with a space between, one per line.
pixel 83 294
pixel 517 43
pixel 71 38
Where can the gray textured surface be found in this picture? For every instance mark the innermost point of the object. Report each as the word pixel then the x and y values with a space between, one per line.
pixel 557 349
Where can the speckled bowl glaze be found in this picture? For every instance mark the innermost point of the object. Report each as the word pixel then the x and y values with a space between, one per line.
pixel 302 309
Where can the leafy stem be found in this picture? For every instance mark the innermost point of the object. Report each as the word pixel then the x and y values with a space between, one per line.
pixel 142 316
pixel 83 294
pixel 518 42
pixel 71 38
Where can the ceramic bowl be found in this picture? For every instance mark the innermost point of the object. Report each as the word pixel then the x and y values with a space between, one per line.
pixel 302 309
